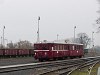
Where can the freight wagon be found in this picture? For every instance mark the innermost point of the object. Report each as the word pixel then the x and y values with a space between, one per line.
pixel 16 52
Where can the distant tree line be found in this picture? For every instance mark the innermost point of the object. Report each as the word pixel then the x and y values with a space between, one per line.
pixel 21 45
pixel 82 38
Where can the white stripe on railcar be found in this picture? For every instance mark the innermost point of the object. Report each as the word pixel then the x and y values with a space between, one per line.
pixel 51 50
pixel 59 50
pixel 41 50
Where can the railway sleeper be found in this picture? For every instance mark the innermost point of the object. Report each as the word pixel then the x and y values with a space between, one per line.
pixel 65 71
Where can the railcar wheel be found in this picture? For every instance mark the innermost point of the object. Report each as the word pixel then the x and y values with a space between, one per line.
pixel 71 57
pixel 80 56
pixel 54 59
pixel 41 60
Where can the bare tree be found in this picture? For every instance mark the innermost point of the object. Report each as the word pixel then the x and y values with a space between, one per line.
pixel 21 44
pixel 83 39
pixel 98 19
pixel 11 45
pixel 1 46
pixel 24 44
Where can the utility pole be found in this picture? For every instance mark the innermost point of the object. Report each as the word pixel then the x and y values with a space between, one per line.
pixel 6 42
pixel 57 37
pixel 3 36
pixel 74 33
pixel 38 36
pixel 93 44
pixel 92 39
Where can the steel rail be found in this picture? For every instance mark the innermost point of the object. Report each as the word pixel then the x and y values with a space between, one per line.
pixel 92 67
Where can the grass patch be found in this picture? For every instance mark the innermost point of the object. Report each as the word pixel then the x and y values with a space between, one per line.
pixel 95 69
pixel 84 71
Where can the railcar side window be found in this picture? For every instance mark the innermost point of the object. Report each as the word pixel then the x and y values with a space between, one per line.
pixel 62 47
pixel 55 47
pixel 75 47
pixel 44 48
pixel 78 47
pixel 58 47
pixel 68 47
pixel 65 47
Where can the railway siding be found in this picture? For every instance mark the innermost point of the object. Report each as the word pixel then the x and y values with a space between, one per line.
pixel 94 70
pixel 88 70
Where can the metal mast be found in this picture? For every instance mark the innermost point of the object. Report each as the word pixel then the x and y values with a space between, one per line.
pixel 38 36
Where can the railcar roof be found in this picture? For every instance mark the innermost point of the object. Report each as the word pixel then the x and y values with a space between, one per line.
pixel 60 43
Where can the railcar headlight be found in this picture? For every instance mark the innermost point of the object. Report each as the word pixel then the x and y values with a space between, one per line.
pixel 35 53
pixel 45 53
pixel 57 51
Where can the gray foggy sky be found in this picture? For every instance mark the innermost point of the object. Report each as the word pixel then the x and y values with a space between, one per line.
pixel 56 17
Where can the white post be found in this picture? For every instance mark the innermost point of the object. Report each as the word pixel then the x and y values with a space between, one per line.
pixel 57 36
pixel 92 39
pixel 74 33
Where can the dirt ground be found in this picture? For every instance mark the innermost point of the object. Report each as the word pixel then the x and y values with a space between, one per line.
pixel 14 61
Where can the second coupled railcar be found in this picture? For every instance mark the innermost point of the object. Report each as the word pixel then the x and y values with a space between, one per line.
pixel 46 51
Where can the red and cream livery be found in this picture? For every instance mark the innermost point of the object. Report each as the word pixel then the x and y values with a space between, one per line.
pixel 46 51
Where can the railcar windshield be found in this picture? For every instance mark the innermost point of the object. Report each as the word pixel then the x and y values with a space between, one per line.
pixel 42 47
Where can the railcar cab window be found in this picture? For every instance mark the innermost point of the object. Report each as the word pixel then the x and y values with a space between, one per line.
pixel 68 47
pixel 41 47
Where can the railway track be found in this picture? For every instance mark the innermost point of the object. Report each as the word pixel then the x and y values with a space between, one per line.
pixel 64 70
pixel 50 68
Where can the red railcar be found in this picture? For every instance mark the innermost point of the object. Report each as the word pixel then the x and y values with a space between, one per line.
pixel 45 51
